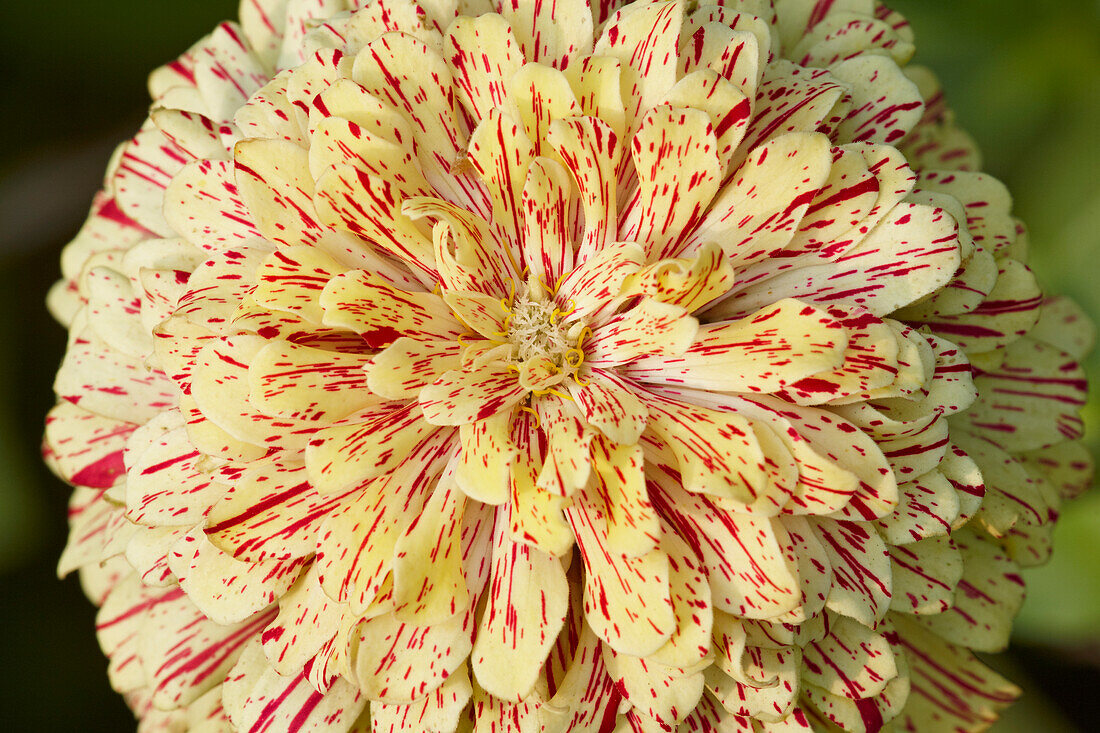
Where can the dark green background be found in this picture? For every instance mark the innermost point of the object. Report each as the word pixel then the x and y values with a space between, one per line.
pixel 1024 77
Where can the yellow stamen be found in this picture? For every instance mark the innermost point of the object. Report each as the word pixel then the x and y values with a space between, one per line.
pixel 538 420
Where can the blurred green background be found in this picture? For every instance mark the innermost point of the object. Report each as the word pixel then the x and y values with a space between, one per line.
pixel 1023 76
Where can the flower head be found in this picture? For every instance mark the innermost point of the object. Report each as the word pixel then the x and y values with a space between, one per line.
pixel 558 367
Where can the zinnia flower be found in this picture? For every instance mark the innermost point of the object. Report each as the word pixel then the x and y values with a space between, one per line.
pixel 555 367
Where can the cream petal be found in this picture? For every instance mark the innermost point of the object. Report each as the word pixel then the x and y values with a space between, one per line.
pixel 547 229
pixel 273 513
pixel 501 153
pixel 406 366
pixel 729 109
pixel 862 586
pixel 611 406
pixel 925 574
pixel 591 151
pixel 305 383
pixel 643 37
pixel 366 303
pixel 764 352
pixel 256 696
pixel 1034 380
pixel 651 329
pixel 551 34
pixel 539 95
pixel 675 155
pixel 528 603
pixel 758 212
pixel 428 582
pixel 369 206
pixel 911 253
pixel 886 105
pixel 414 79
pixel 626 599
pixel 744 555
pixel 227 590
pixel 482 54
pixel 460 396
pixel 440 711
pixel 935 669
pixel 374 443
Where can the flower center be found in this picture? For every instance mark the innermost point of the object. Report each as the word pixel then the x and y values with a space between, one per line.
pixel 534 330
pixel 546 350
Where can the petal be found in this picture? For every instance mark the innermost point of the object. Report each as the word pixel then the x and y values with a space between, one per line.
pixel 227 590
pixel 309 384
pixel 885 104
pixel 611 406
pixel 343 456
pixel 528 603
pixel 950 687
pixel 1035 380
pixel 485 469
pixel 632 525
pixel 650 329
pixel 675 156
pixel 757 213
pixel 291 279
pixel 626 599
pixel 762 353
pixel 567 464
pixel 689 646
pixel 428 583
pixel 987 598
pixel 111 384
pixel 258 698
pixel 369 206
pixel 728 107
pixel 469 254
pixel 717 452
pixel 540 95
pixel 590 150
pixel 925 574
pixel 460 397
pixel 791 98
pixel 749 574
pixel 592 288
pixel 690 283
pixel 535 514
pixel 221 392
pixel 914 251
pixel 548 230
pixel 275 183
pixel 851 661
pixel 501 153
pixel 643 37
pixel 166 484
pixel 365 303
pixel 551 34
pixel 662 694
pixel 145 169
pixel 861 566
pixel 411 76
pixel 399 663
pixel 437 712
pixel 356 547
pixel 272 513
pixel 183 653
pixel 482 54
pixel 406 366
pixel 87 447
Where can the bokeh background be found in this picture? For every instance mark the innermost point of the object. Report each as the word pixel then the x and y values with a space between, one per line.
pixel 1024 77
